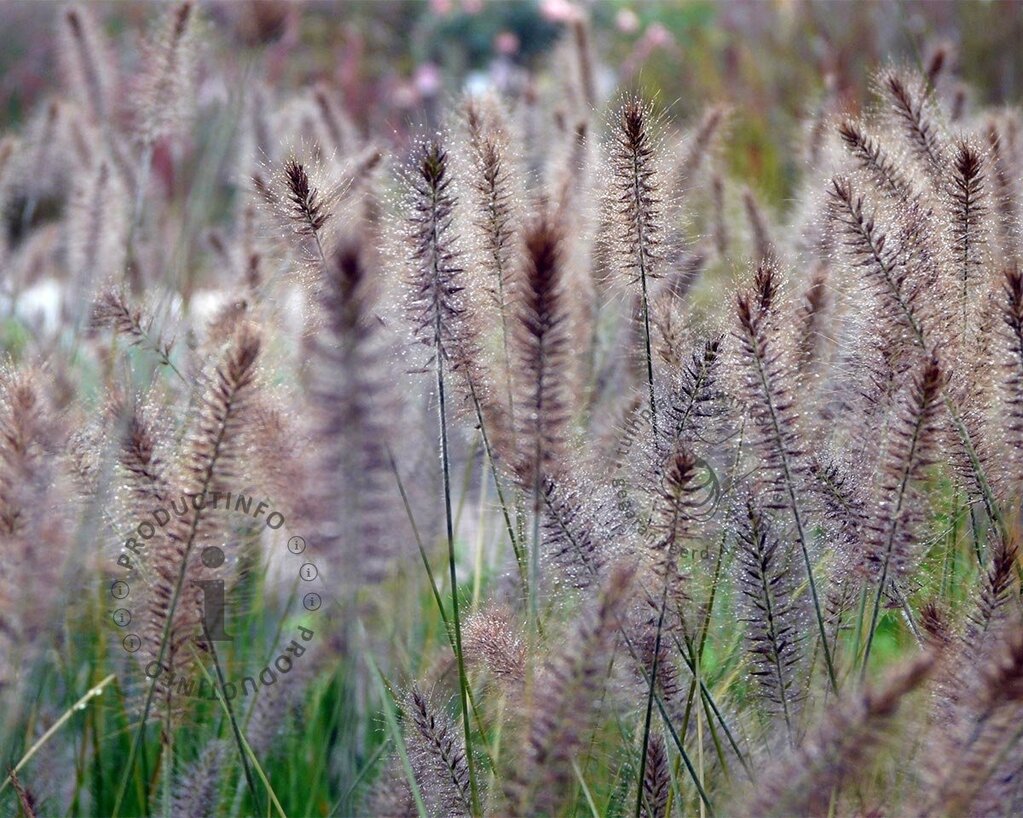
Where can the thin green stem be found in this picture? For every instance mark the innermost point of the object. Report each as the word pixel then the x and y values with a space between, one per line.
pixel 236 731
pixel 463 684
pixel 433 585
pixel 45 737
pixel 797 518
pixel 516 546
pixel 650 697
pixel 534 554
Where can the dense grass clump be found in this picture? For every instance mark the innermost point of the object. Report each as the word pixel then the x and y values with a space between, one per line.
pixel 532 466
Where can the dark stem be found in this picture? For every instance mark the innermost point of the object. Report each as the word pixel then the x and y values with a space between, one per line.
pixel 786 471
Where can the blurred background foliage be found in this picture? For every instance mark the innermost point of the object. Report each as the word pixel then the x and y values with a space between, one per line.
pixel 397 62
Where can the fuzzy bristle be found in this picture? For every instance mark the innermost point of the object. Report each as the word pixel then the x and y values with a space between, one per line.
pixel 803 781
pixel 308 211
pixel 773 628
pixel 656 780
pixel 911 109
pixel 558 723
pixel 872 157
pixel 442 769
pixel 541 328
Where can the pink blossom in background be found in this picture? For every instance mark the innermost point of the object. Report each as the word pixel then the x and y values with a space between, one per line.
pixel 404 95
pixel 441 8
pixel 657 36
pixel 560 11
pixel 627 21
pixel 506 43
pixel 427 79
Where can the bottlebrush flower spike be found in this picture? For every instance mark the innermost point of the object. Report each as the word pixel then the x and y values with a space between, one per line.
pixel 142 455
pixel 764 249
pixel 437 301
pixel 438 757
pixel 557 724
pixel 656 780
pixel 969 222
pixel 308 211
pixel 772 407
pixel 87 60
pixel 494 196
pixel 984 732
pixel 906 96
pixel 27 435
pixel 699 147
pixel 694 410
pixel 673 515
pixel 636 217
pixel 872 158
pixel 694 397
pixel 168 75
pixel 804 780
pixel 812 317
pixel 773 616
pixel 495 218
pixel 869 249
pixel 910 449
pixel 492 641
pixel 97 228
pixel 895 514
pixel 999 587
pixel 210 462
pixel 578 521
pixel 354 407
pixel 543 353
pixel 1006 191
pixel 112 310
pixel 1011 385
pixel 195 795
